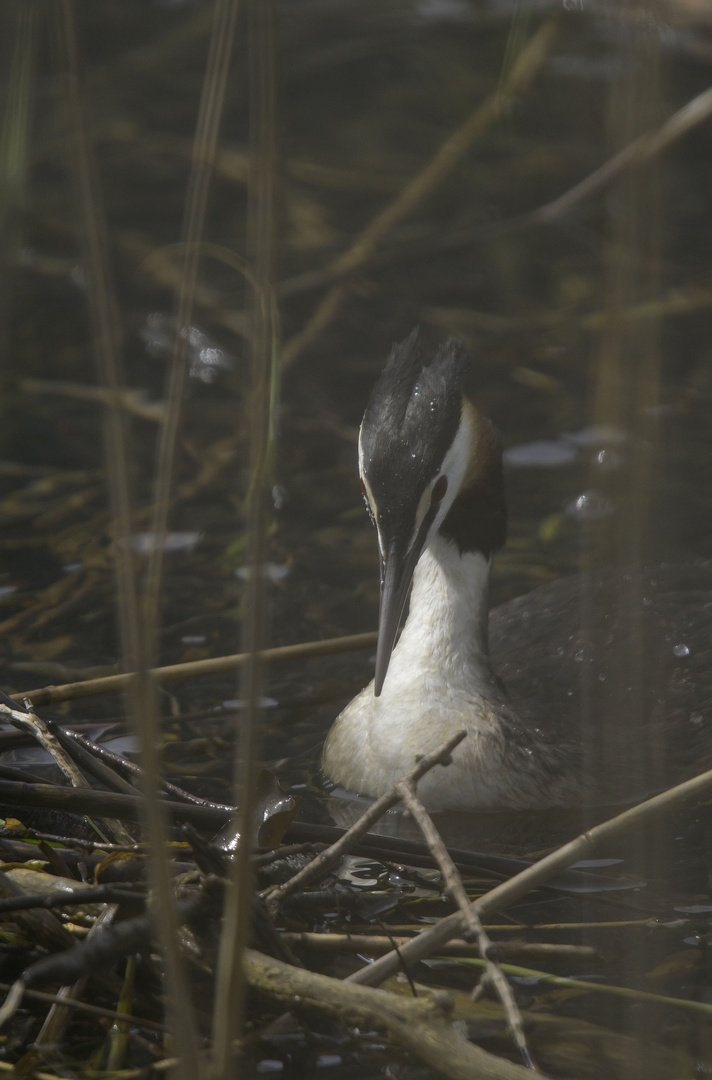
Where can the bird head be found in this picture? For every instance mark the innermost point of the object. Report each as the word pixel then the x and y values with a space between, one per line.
pixel 429 463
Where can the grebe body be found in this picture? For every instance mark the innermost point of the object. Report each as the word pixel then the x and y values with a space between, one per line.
pixel 549 686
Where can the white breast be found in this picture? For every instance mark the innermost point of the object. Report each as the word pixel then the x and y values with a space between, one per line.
pixel 439 681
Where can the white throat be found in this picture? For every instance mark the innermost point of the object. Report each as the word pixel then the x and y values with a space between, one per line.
pixel 445 635
pixel 439 681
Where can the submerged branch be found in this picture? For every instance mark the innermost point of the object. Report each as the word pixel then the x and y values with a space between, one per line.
pixel 598 987
pixel 420 1027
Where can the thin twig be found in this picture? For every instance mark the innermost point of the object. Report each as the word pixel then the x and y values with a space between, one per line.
pixel 524 69
pixel 266 858
pixel 456 891
pixel 80 895
pixel 12 1002
pixel 54 593
pixel 98 754
pixel 599 987
pixel 639 152
pixel 325 860
pixel 35 726
pixel 428 943
pixel 53 1030
pixel 378 944
pixel 91 1010
pixel 106 803
pixel 132 400
pixel 29 721
pixel 82 748
pixel 113 684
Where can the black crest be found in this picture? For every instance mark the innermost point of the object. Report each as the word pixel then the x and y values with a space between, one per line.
pixel 410 422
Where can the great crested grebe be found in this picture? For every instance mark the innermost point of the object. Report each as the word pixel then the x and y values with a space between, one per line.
pixel 595 688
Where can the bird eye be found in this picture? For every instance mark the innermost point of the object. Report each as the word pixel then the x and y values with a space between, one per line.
pixel 439 489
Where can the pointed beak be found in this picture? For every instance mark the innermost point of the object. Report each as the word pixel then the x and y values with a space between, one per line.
pixel 396 575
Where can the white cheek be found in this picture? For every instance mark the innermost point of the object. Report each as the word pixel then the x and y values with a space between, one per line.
pixel 367 486
pixel 421 511
pixel 454 467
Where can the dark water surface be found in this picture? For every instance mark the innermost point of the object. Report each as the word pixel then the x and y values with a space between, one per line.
pixel 592 339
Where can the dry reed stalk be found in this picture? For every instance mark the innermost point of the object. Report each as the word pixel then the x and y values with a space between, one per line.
pixel 14 135
pixel 230 989
pixel 112 684
pixel 203 162
pixel 138 628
